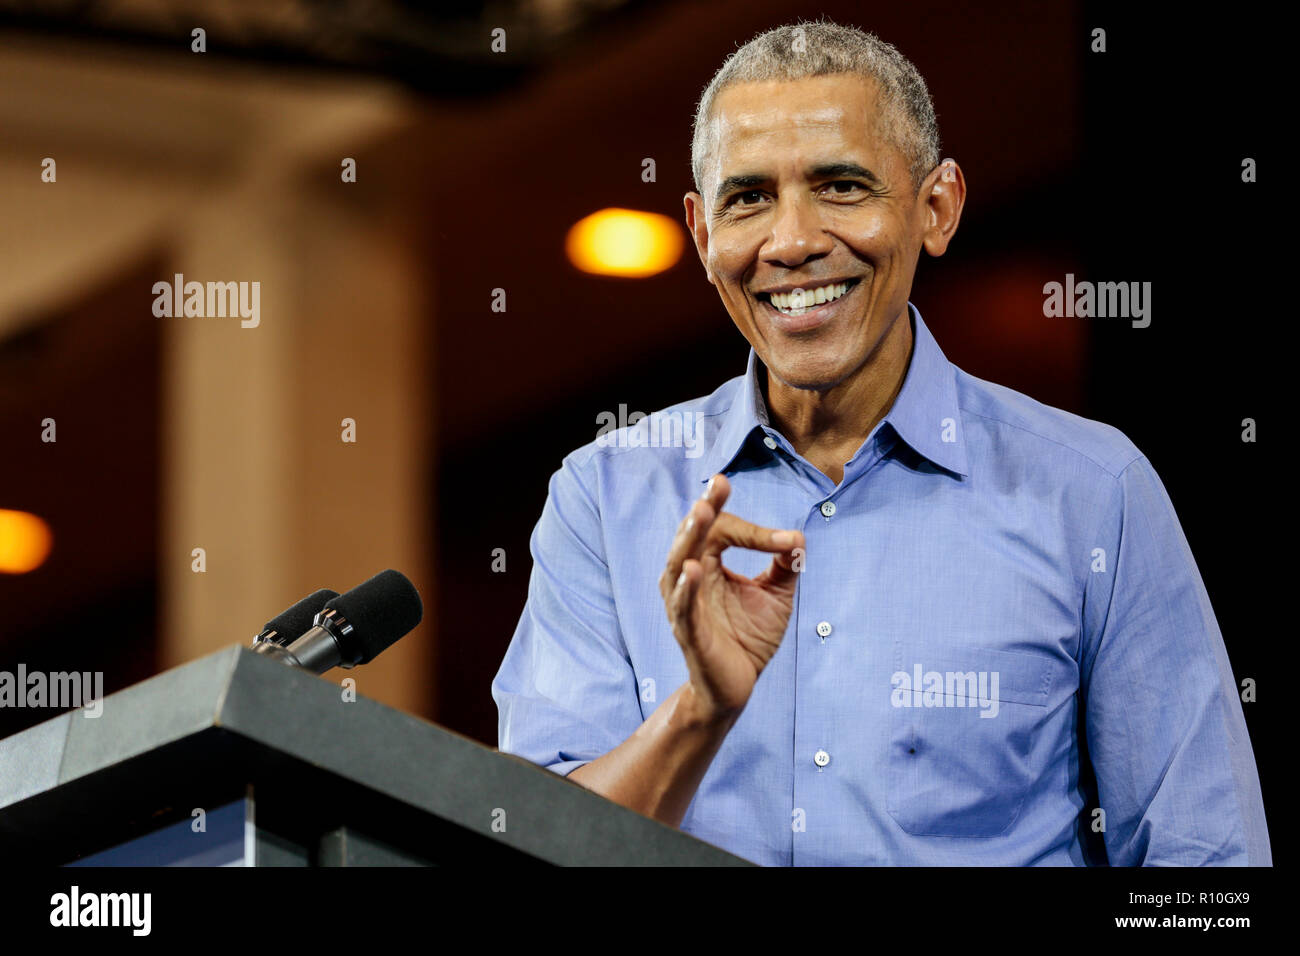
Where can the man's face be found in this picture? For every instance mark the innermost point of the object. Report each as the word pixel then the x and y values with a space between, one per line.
pixel 803 193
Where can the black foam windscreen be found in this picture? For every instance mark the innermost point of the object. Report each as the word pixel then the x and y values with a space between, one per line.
pixel 381 610
pixel 293 622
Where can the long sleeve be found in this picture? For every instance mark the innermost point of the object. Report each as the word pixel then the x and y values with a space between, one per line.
pixel 566 692
pixel 1165 730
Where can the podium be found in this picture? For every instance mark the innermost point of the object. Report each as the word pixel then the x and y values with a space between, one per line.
pixel 237 759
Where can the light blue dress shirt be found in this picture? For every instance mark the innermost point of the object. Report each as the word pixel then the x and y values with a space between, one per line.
pixel 996 596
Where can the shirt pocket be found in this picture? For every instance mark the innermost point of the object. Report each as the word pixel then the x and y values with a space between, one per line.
pixel 959 752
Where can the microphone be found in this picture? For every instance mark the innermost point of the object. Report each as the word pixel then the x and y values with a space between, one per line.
pixel 354 628
pixel 292 622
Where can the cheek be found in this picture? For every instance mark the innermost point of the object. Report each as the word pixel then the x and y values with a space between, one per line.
pixel 874 237
pixel 729 256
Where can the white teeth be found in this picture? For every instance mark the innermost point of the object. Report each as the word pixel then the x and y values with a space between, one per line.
pixel 800 300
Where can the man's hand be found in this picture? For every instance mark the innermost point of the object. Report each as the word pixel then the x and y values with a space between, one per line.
pixel 728 625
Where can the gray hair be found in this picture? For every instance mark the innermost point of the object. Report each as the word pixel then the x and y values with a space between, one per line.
pixel 822 48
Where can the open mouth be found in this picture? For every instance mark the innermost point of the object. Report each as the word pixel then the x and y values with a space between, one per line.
pixel 801 301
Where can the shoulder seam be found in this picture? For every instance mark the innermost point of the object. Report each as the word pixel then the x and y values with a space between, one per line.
pixel 1030 431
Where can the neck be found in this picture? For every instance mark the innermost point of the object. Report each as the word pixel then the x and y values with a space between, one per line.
pixel 828 426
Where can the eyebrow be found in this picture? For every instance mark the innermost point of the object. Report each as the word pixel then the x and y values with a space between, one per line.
pixel 747 181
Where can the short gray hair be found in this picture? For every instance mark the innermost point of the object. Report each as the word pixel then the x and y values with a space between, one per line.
pixel 823 48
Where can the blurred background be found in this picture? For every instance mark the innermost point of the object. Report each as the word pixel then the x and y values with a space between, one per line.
pixel 472 165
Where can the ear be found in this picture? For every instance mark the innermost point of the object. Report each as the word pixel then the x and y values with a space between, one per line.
pixel 940 201
pixel 699 230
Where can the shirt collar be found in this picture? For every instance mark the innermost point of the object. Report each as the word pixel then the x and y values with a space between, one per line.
pixel 925 414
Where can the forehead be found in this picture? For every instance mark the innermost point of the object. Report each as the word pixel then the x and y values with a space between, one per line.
pixel 835 113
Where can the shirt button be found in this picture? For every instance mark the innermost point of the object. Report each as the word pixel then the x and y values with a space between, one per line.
pixel 821 758
pixel 770 442
pixel 828 508
pixel 824 629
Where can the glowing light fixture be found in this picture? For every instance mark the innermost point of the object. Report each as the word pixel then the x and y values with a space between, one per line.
pixel 25 542
pixel 624 242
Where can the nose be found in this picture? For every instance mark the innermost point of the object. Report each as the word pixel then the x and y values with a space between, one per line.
pixel 797 234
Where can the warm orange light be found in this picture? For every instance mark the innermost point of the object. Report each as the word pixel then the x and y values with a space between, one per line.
pixel 24 542
pixel 624 242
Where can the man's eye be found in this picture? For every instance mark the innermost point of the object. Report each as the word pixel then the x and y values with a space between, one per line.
pixel 736 199
pixel 850 187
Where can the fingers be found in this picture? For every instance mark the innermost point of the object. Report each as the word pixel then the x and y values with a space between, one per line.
pixel 716 492
pixel 707 531
pixel 693 531
pixel 680 599
pixel 730 531
pixel 784 570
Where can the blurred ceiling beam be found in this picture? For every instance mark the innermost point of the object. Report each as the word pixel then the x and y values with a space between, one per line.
pixel 444 48
pixel 138 144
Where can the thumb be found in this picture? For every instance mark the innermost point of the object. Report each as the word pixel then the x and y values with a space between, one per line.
pixel 783 573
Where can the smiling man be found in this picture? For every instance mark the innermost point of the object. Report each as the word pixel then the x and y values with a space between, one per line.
pixel 954 626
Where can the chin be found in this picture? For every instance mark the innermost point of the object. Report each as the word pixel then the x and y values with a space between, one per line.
pixel 810 374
